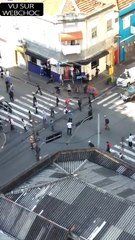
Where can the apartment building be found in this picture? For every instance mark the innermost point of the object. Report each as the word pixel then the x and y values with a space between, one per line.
pixel 71 34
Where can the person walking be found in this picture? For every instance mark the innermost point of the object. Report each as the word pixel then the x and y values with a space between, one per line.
pixel 1 125
pixel 24 125
pixel 34 99
pixel 7 83
pixel 80 104
pixel 44 119
pixel 57 101
pixel 30 116
pixel 52 113
pixel 106 122
pixel 11 92
pixel 69 128
pixel 36 107
pixel 89 101
pixel 67 100
pixel 11 122
pixel 130 140
pixel 38 89
pixel 108 146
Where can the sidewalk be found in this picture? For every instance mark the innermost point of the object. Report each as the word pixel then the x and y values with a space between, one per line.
pixel 100 83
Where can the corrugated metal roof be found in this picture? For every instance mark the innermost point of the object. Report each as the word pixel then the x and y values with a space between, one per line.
pixel 72 202
pixel 25 225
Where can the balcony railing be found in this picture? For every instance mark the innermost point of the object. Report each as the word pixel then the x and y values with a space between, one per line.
pixel 71 49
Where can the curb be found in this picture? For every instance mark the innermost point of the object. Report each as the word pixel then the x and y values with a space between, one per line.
pixel 102 92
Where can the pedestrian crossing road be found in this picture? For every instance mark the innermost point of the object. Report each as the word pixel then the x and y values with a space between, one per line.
pixel 113 102
pixel 128 152
pixel 22 105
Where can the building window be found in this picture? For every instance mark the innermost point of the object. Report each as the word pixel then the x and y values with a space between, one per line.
pixel 109 25
pixel 94 64
pixel 72 42
pixel 94 32
pixel 126 22
pixel 33 60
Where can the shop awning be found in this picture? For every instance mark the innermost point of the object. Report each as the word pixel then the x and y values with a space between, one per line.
pixel 94 58
pixel 71 36
pixel 35 55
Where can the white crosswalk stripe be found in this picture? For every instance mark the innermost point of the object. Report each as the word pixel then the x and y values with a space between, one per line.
pixel 106 99
pixel 21 107
pixel 128 152
pixel 113 102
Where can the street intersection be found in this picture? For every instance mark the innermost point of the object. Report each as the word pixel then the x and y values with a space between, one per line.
pixel 17 156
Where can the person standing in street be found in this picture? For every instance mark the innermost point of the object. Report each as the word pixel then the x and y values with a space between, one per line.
pixel 11 122
pixel 70 116
pixel 34 100
pixel 32 141
pixel 36 107
pixel 7 83
pixel 106 122
pixel 108 146
pixel 30 116
pixel 67 101
pixel 57 101
pixel 52 114
pixel 69 128
pixel 38 89
pixel 130 140
pixel 24 125
pixel 44 119
pixel 1 125
pixel 80 104
pixel 11 92
pixel 89 101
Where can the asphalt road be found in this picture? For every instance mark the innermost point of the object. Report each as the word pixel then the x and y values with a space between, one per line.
pixel 17 155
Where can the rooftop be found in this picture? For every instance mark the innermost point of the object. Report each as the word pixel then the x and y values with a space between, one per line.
pixel 84 193
pixel 124 3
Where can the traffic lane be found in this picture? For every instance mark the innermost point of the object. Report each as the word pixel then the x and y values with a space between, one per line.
pixel 18 160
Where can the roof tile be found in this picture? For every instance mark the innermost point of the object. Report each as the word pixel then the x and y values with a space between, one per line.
pixel 124 3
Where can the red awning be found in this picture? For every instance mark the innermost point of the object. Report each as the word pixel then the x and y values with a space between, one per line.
pixel 71 36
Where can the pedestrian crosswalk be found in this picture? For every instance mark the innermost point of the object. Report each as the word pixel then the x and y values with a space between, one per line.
pixel 127 152
pixel 21 106
pixel 113 102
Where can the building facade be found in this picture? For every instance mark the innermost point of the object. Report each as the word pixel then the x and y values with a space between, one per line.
pixel 77 35
pixel 126 36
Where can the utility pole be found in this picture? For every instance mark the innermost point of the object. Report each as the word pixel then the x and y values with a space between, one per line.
pixel 98 131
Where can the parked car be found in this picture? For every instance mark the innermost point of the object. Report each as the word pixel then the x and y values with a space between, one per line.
pixel 126 78
pixel 131 90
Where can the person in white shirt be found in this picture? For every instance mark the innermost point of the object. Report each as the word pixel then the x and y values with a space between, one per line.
pixel 69 128
pixel 11 122
pixel 130 140
pixel 44 119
